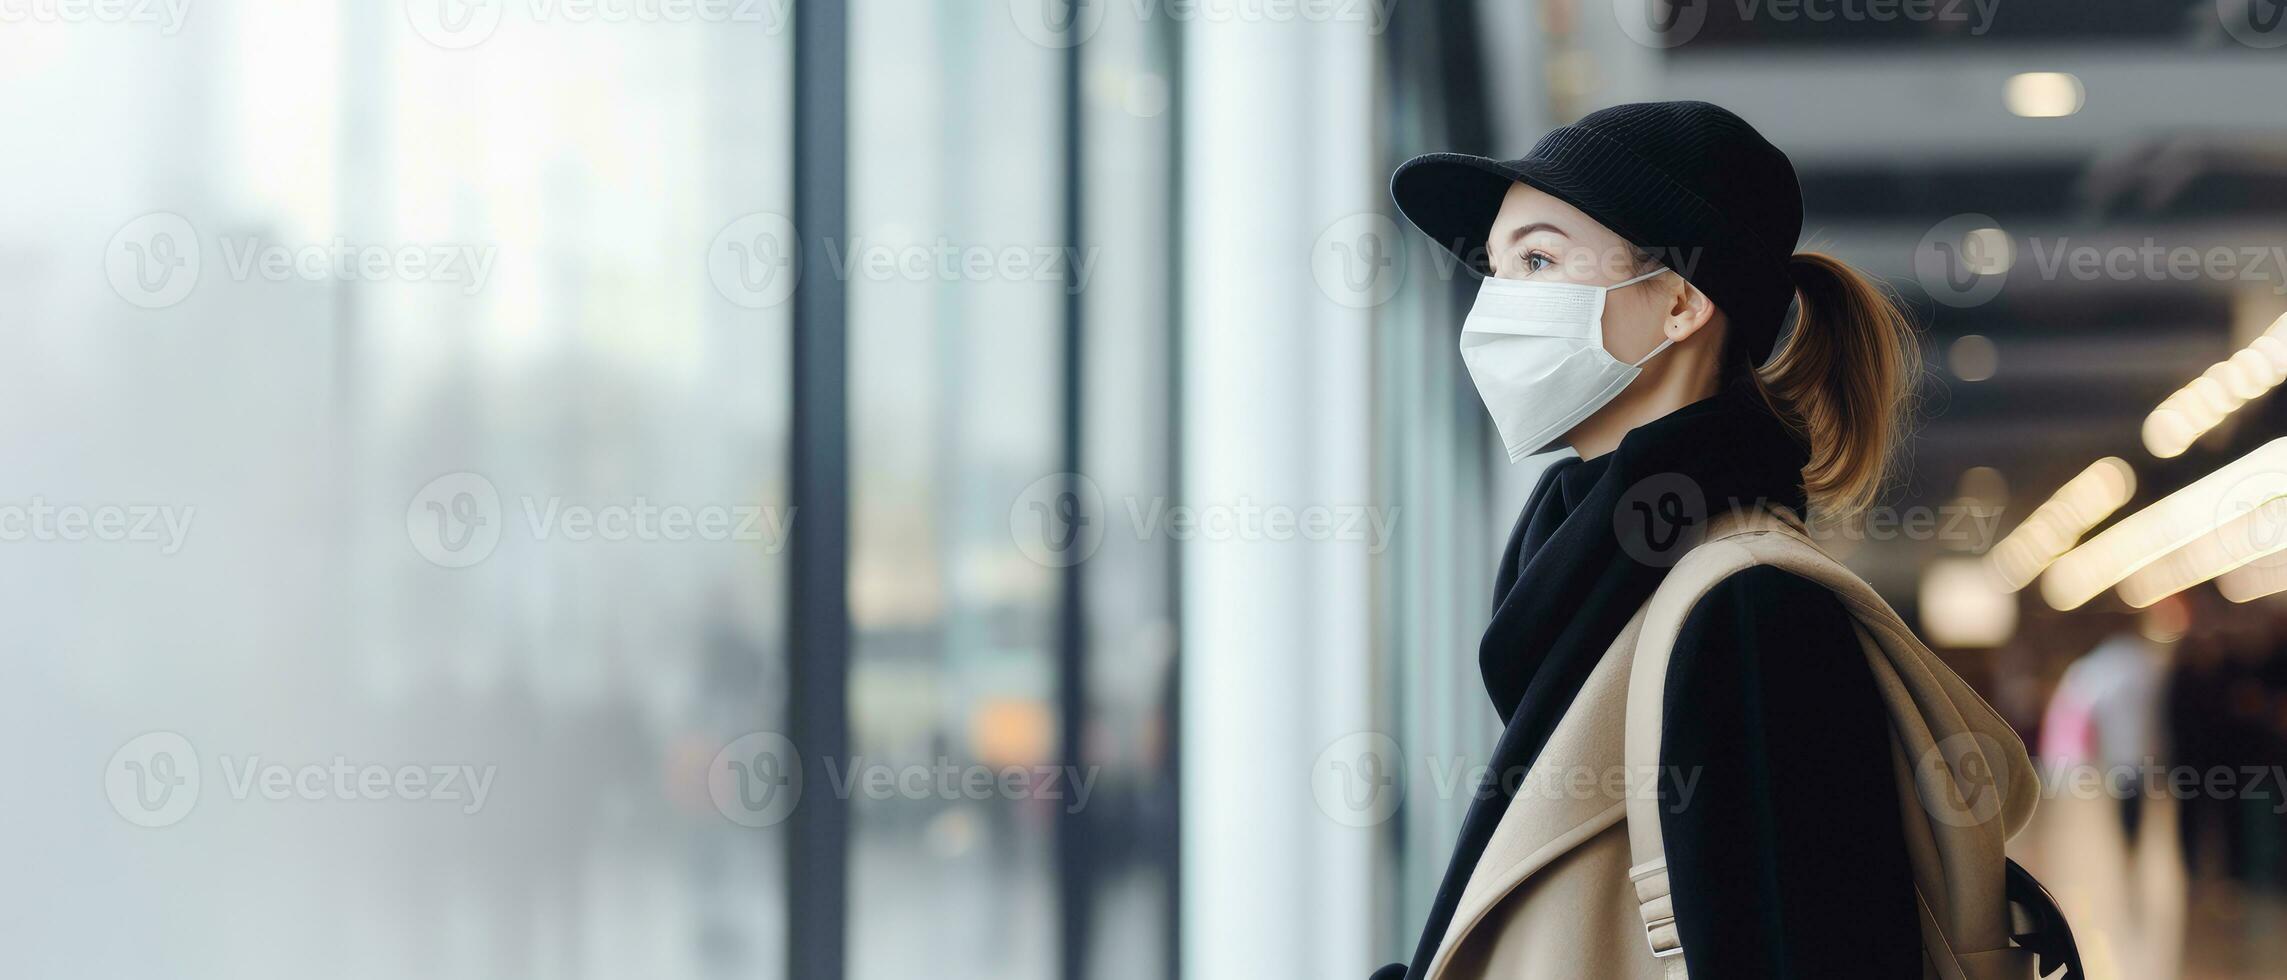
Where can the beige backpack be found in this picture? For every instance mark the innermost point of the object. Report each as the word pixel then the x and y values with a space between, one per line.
pixel 1964 778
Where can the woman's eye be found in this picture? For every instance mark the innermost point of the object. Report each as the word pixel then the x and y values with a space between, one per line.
pixel 1536 261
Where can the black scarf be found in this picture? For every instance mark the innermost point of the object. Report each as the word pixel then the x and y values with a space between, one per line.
pixel 1594 541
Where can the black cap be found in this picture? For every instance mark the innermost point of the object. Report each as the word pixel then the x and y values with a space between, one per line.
pixel 1688 181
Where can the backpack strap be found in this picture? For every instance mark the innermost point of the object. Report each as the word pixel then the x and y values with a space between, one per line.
pixel 1705 565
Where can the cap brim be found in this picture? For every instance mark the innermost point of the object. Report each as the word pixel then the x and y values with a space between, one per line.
pixel 1454 197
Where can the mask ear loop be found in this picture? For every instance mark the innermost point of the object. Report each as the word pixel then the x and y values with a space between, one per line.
pixel 1665 342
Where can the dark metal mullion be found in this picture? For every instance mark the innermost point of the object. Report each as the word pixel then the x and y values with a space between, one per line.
pixel 1171 39
pixel 1075 854
pixel 818 609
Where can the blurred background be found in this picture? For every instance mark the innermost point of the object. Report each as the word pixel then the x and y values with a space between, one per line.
pixel 889 488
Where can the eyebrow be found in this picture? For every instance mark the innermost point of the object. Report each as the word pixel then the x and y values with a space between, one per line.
pixel 1535 226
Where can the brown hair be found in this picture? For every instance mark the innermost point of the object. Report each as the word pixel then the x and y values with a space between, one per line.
pixel 1845 379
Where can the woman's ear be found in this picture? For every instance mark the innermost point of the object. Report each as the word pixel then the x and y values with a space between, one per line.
pixel 1688 311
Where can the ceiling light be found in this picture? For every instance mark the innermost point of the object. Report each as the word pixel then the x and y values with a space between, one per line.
pixel 2217 501
pixel 2044 94
pixel 2183 417
pixel 2052 529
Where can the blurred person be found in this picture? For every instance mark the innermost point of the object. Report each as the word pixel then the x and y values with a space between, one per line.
pixel 2106 713
pixel 1637 268
pixel 2111 854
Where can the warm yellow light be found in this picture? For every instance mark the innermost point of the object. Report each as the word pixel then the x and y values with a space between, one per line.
pixel 2240 490
pixel 1973 357
pixel 2051 530
pixel 2237 542
pixel 2044 94
pixel 1962 608
pixel 2254 580
pixel 2183 417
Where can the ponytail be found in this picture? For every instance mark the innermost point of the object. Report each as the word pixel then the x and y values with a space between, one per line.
pixel 1845 380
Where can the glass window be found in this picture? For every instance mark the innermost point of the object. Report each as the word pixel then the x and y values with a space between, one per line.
pixel 955 346
pixel 1127 414
pixel 411 321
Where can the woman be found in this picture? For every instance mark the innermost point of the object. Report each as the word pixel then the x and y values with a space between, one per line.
pixel 1639 264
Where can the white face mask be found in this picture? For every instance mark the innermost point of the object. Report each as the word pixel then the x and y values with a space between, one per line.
pixel 1536 352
